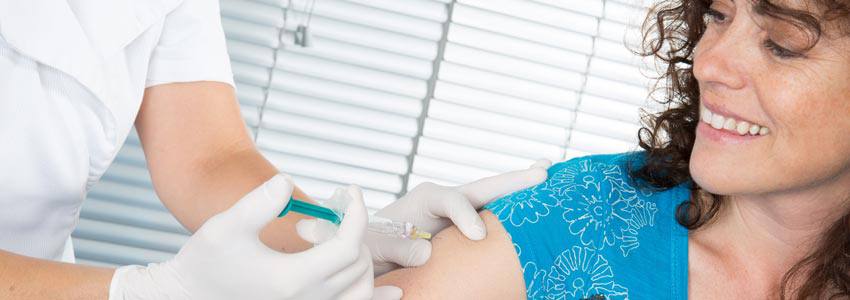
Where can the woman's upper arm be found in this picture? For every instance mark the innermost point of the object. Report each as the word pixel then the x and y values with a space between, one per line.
pixel 460 268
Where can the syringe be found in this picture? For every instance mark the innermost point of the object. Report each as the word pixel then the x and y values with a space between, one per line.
pixel 384 226
pixel 404 230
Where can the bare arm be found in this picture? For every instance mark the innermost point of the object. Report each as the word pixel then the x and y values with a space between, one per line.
pixel 23 277
pixel 202 159
pixel 460 268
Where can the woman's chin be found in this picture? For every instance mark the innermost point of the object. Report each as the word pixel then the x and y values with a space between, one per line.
pixel 718 177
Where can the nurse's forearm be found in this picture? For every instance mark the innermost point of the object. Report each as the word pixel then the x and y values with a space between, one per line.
pixel 215 185
pixel 24 277
pixel 201 157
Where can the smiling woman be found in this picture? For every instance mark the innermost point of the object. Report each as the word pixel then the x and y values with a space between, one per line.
pixel 783 70
pixel 751 156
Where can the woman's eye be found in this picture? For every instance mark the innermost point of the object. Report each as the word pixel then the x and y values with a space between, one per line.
pixel 779 51
pixel 714 16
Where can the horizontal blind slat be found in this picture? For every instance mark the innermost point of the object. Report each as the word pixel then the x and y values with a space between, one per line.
pixel 438 168
pixel 86 249
pixel 107 211
pixel 490 140
pixel 496 63
pixel 336 132
pixel 499 103
pixel 480 158
pixel 331 151
pixel 508 85
pixel 348 94
pixel 509 25
pixel 350 74
pixel 524 128
pixel 340 173
pixel 519 48
pixel 539 13
pixel 132 236
pixel 339 51
pixel 346 114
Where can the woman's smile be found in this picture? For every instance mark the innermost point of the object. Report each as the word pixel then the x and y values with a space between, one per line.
pixel 720 126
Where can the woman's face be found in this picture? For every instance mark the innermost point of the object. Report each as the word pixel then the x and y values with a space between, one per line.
pixel 755 70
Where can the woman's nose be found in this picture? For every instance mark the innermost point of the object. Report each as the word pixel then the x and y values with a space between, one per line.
pixel 722 59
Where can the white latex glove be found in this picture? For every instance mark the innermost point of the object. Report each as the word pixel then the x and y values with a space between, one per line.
pixel 432 207
pixel 225 258
pixel 319 232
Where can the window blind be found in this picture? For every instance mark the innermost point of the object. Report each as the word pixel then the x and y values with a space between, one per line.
pixel 520 80
pixel 393 93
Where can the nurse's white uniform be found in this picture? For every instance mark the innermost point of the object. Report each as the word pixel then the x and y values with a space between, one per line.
pixel 72 77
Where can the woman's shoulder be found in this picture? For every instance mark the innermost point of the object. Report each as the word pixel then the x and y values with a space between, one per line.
pixel 595 168
pixel 609 174
pixel 590 208
pixel 600 182
pixel 596 176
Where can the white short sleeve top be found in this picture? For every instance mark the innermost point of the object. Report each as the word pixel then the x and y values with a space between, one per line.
pixel 72 78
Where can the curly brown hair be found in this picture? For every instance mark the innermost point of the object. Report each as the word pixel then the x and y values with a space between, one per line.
pixel 670 34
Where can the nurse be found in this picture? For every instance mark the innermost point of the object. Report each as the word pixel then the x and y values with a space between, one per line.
pixel 74 77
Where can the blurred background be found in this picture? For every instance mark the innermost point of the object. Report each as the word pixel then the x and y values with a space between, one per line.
pixel 387 94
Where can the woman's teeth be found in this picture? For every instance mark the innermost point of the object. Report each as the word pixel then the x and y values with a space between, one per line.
pixel 730 124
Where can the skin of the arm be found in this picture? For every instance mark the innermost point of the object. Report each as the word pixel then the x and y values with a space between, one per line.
pixel 202 158
pixel 23 277
pixel 460 268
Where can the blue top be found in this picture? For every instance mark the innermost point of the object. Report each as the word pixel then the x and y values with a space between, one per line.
pixel 589 230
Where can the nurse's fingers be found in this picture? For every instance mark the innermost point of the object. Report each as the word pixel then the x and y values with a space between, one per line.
pixel 390 252
pixel 458 209
pixel 483 191
pixel 315 231
pixel 356 218
pixel 541 163
pixel 260 206
pixel 342 249
pixel 352 278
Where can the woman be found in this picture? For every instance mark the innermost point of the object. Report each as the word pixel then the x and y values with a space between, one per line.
pixel 75 75
pixel 751 159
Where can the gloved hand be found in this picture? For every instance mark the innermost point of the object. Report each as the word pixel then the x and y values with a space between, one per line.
pixel 318 232
pixel 432 207
pixel 225 258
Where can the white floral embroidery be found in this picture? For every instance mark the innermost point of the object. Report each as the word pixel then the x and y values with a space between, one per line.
pixel 579 272
pixel 527 205
pixel 598 214
pixel 536 288
pixel 643 214
pixel 603 209
pixel 581 172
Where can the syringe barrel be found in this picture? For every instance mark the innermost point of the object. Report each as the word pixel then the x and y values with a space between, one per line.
pixel 389 227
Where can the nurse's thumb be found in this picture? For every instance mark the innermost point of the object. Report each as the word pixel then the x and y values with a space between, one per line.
pixel 263 204
pixel 390 252
pixel 315 231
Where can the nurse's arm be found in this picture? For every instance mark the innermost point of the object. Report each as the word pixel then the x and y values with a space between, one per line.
pixel 23 277
pixel 202 158
pixel 460 268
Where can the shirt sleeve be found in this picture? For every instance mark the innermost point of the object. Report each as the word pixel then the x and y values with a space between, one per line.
pixel 191 46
